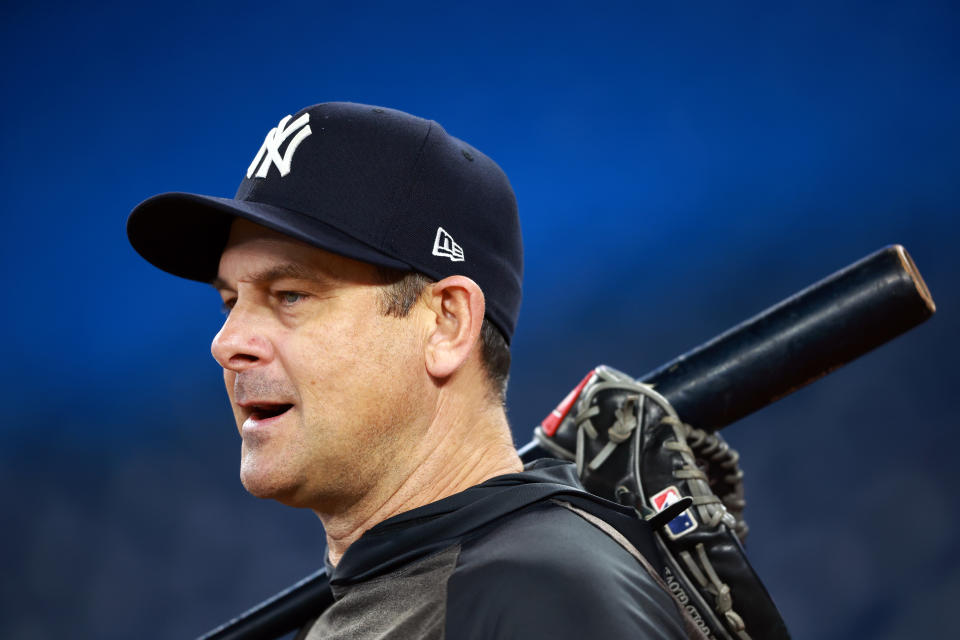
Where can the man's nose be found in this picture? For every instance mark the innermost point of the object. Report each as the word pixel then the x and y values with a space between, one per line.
pixel 241 342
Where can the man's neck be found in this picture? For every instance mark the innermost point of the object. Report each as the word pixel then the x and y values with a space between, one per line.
pixel 453 456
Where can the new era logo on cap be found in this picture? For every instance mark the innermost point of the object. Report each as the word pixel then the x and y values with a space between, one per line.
pixel 445 247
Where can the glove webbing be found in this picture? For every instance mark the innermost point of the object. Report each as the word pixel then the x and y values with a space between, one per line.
pixel 715 451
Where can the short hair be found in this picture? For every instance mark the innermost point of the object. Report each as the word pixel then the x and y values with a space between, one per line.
pixel 401 290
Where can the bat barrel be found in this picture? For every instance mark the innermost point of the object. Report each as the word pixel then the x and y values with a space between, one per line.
pixel 796 341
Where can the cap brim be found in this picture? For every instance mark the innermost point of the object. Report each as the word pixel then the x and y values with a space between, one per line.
pixel 185 233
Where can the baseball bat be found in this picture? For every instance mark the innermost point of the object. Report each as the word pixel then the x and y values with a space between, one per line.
pixel 797 341
pixel 787 346
pixel 744 369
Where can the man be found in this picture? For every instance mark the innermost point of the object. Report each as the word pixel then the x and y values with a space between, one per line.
pixel 371 267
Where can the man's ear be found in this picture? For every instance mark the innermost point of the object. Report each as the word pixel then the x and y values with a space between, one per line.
pixel 456 308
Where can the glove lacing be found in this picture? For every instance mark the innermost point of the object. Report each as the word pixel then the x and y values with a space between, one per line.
pixel 703 445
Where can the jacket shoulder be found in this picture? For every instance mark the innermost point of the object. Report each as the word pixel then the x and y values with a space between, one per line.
pixel 545 571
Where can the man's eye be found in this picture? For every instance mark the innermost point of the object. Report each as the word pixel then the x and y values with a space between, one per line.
pixel 288 298
pixel 227 306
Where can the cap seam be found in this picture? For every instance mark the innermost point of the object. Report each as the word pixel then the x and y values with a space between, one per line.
pixel 402 207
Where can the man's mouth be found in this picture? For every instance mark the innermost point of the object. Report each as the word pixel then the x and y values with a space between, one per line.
pixel 261 412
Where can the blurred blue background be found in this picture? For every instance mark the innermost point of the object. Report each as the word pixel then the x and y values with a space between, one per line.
pixel 679 167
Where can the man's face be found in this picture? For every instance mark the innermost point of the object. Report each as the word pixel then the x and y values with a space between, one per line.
pixel 324 387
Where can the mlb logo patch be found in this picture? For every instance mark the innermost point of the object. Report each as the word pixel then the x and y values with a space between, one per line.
pixel 683 523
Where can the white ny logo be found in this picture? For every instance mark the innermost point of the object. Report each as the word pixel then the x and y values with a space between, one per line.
pixel 271 146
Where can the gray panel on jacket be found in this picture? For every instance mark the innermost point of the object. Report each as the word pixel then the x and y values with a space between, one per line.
pixel 408 603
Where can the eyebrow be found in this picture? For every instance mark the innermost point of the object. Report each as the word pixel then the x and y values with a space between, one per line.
pixel 276 272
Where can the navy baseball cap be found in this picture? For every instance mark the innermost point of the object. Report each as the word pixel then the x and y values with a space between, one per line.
pixel 369 183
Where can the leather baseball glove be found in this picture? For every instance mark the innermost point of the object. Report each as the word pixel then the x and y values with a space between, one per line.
pixel 631 447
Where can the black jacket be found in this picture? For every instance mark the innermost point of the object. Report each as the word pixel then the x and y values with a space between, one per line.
pixel 514 557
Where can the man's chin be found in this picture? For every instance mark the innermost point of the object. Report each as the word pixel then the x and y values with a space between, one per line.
pixel 270 486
